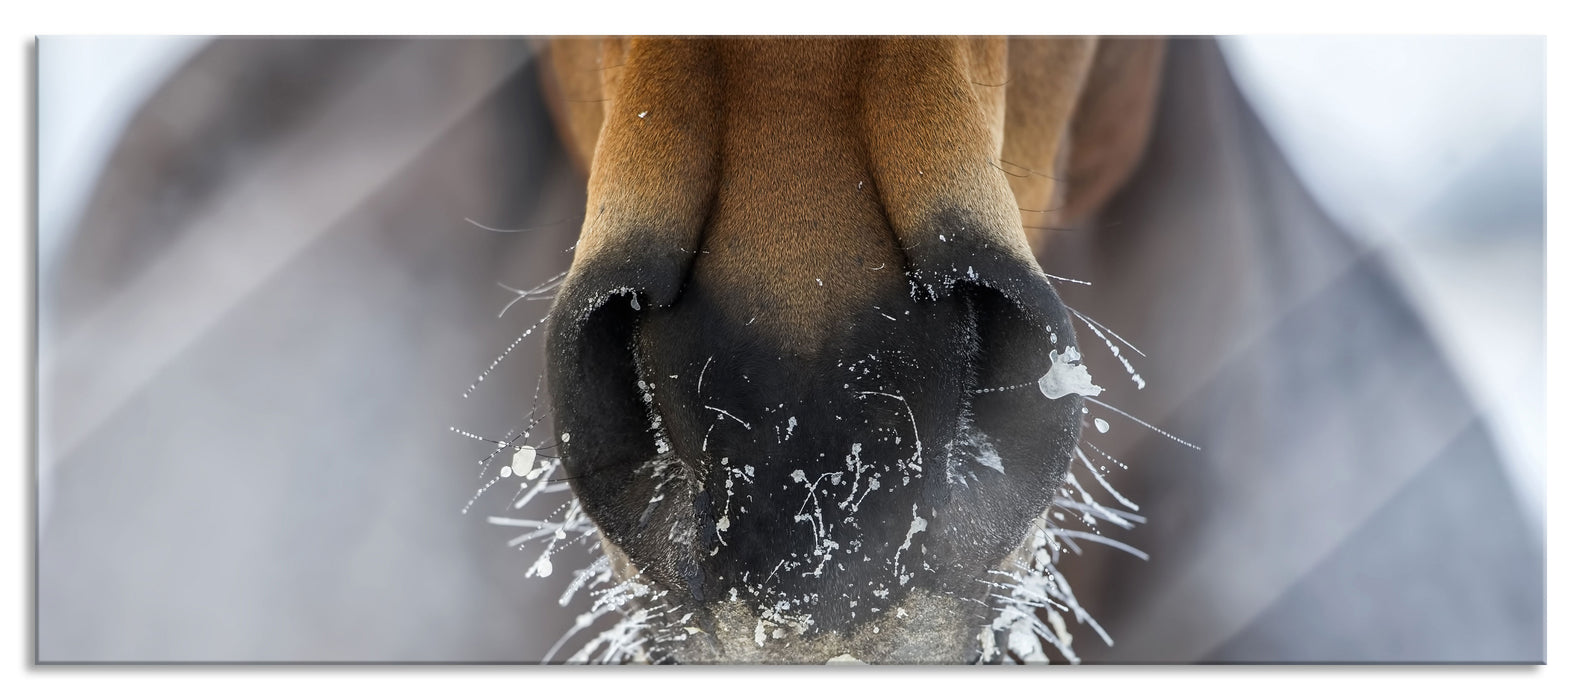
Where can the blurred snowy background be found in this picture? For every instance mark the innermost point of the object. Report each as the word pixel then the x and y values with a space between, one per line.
pixel 88 89
pixel 1432 148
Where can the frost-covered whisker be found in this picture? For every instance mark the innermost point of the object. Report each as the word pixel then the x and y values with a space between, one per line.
pixel 917 458
pixel 1102 482
pixel 728 414
pixel 816 519
pixel 1009 585
pixel 1109 515
pixel 1117 544
pixel 1143 423
pixel 639 616
pixel 1119 518
pixel 1037 597
pixel 1009 387
pixel 627 639
pixel 479 494
pixel 475 436
pixel 1070 544
pixel 628 617
pixel 1101 329
pixel 1106 455
pixel 1116 351
pixel 1040 602
pixel 500 446
pixel 706 364
pixel 510 441
pixel 1067 279
pixel 1036 608
pixel 538 487
pixel 501 357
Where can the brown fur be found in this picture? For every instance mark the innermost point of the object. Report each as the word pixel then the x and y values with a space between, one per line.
pixel 825 141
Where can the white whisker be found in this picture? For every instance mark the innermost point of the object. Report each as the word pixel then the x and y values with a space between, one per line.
pixel 1067 279
pixel 1100 477
pixel 1140 554
pixel 1142 422
pixel 501 357
pixel 727 414
pixel 706 368
pixel 1117 336
pixel 1116 351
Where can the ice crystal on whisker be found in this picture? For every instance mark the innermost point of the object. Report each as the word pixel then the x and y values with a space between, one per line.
pixel 1036 603
pixel 635 611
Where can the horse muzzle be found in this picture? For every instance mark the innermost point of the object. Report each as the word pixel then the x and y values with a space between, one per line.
pixel 807 377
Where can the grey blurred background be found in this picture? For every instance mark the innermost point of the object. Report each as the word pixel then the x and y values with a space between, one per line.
pixel 243 450
pixel 255 333
pixel 1433 149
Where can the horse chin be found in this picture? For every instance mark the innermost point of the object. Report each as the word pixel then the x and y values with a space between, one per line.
pixel 919 627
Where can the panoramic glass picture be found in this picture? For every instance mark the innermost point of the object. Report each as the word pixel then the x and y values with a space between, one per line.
pixel 791 350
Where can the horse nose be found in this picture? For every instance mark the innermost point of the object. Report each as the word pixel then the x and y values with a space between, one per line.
pixel 798 365
pixel 899 441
